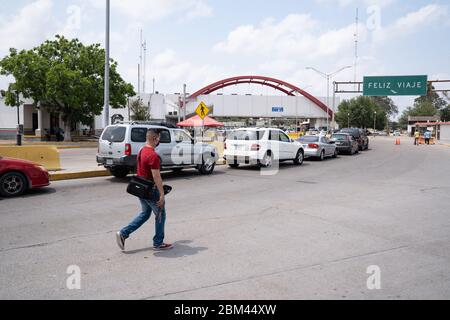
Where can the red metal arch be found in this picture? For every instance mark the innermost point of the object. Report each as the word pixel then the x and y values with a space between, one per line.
pixel 279 85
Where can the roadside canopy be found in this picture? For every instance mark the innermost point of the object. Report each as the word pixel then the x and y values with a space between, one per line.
pixel 196 121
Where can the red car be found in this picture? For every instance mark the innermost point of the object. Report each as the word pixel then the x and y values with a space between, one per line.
pixel 17 176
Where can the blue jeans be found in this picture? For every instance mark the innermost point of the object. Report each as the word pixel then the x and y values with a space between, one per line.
pixel 149 206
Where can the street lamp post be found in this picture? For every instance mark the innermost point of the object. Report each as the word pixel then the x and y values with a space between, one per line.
pixel 348 120
pixel 329 76
pixel 106 99
pixel 19 133
pixel 374 121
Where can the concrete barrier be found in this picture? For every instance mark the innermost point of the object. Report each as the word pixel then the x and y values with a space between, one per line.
pixel 220 147
pixel 46 156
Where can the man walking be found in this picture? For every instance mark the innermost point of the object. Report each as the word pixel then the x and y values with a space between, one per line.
pixel 148 167
pixel 427 137
pixel 416 137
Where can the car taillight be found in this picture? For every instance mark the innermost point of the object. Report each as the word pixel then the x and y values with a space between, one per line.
pixel 256 147
pixel 128 149
pixel 313 146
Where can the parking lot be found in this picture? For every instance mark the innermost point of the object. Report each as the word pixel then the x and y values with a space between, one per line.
pixel 308 232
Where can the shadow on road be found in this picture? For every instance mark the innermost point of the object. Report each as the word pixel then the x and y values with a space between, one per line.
pixel 180 249
pixel 169 176
pixel 32 193
pixel 282 166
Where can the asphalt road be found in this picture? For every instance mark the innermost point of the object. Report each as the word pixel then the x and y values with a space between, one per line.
pixel 309 232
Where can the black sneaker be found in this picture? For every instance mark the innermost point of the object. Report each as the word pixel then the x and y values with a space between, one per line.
pixel 120 241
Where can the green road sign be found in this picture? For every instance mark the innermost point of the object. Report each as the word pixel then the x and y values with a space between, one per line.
pixel 396 86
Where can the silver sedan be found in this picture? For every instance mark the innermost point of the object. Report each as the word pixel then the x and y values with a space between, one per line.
pixel 318 147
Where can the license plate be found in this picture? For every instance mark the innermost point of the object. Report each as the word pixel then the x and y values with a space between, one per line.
pixel 109 162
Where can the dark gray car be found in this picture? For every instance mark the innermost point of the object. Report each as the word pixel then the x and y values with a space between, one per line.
pixel 345 143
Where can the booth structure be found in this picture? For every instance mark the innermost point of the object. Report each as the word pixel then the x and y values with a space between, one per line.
pixel 439 130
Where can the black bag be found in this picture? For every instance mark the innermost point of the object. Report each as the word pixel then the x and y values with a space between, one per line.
pixel 141 188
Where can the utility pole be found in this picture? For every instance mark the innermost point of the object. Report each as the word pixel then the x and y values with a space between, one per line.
pixel 374 121
pixel 106 99
pixel 19 131
pixel 356 46
pixel 328 77
pixel 333 121
pixel 184 102
pixel 139 81
pixel 145 66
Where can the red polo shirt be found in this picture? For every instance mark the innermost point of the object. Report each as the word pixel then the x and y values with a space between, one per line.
pixel 148 160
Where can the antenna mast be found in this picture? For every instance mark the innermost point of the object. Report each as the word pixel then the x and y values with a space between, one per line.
pixel 356 46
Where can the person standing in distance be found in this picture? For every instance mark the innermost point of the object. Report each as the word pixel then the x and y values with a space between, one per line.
pixel 416 137
pixel 148 167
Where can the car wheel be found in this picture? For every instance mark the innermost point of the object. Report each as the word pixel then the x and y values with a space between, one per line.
pixel 119 172
pixel 335 155
pixel 298 161
pixel 13 184
pixel 322 155
pixel 208 165
pixel 267 161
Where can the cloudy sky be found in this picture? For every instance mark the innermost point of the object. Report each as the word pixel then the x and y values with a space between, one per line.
pixel 201 41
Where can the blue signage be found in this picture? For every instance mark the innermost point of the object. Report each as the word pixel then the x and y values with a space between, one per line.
pixel 277 109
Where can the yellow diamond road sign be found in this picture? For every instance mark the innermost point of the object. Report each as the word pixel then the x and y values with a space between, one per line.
pixel 202 110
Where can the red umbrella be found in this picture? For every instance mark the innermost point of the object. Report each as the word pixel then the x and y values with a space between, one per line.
pixel 196 121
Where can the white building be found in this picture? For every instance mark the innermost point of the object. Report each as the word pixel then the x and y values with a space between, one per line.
pixel 37 122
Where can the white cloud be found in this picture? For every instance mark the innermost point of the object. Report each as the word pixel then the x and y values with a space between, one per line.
pixel 30 26
pixel 144 10
pixel 171 71
pixel 296 36
pixel 346 3
pixel 413 22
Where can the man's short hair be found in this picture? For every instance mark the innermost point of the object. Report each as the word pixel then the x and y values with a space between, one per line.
pixel 152 132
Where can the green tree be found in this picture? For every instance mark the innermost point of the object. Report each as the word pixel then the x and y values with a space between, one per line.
pixel 425 108
pixel 403 120
pixel 360 112
pixel 445 113
pixel 140 111
pixel 432 97
pixel 65 77
pixel 386 104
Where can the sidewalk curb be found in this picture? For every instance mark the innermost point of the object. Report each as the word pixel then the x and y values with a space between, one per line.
pixel 61 176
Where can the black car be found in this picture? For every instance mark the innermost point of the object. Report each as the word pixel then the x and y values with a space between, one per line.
pixel 359 135
pixel 345 143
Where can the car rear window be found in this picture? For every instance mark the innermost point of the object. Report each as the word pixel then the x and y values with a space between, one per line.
pixel 354 133
pixel 139 135
pixel 339 137
pixel 114 134
pixel 309 139
pixel 165 137
pixel 246 135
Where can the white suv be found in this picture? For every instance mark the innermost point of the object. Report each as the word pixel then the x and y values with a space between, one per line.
pixel 120 144
pixel 261 146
